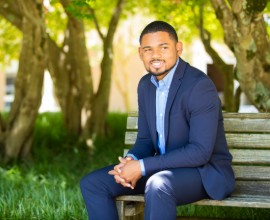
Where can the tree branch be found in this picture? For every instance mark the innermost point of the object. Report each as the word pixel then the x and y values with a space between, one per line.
pixel 10 11
pixel 115 19
pixel 225 16
pixel 92 12
pixel 2 124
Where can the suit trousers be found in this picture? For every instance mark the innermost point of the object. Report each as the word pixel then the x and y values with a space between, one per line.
pixel 163 192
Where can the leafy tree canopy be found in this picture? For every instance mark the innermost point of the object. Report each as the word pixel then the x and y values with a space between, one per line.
pixel 10 41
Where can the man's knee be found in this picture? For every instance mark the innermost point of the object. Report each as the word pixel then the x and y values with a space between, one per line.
pixel 158 184
pixel 88 182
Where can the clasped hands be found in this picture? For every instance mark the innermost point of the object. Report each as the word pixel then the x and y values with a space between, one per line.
pixel 127 172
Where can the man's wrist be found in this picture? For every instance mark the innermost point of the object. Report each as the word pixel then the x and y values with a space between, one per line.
pixel 132 156
pixel 142 167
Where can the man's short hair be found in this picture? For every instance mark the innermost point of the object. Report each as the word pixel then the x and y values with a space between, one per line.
pixel 156 26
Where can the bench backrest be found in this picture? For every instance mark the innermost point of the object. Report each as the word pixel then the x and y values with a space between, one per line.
pixel 248 137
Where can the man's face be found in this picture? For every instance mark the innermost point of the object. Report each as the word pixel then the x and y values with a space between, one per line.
pixel 159 53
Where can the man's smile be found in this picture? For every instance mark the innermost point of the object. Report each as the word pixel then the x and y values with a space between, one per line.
pixel 157 63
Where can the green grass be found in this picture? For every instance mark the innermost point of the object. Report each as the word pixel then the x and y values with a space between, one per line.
pixel 48 186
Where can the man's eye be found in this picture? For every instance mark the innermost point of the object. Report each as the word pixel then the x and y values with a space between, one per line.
pixel 164 48
pixel 147 50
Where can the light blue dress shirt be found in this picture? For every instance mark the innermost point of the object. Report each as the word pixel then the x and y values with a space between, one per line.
pixel 162 92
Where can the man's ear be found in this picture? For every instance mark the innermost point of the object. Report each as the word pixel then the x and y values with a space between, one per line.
pixel 140 52
pixel 179 48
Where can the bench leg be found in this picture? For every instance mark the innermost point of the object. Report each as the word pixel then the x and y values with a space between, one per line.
pixel 121 209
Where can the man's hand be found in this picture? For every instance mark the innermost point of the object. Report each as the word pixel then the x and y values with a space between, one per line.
pixel 127 172
pixel 131 172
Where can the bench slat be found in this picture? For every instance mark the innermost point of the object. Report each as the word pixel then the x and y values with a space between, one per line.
pixel 252 189
pixel 250 156
pixel 248 140
pixel 238 115
pixel 132 198
pixel 130 137
pixel 247 125
pixel 238 202
pixel 233 140
pixel 240 122
pixel 251 172
pixel 132 123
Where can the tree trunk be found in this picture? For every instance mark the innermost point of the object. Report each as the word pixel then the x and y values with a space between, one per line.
pixel 71 74
pixel 225 69
pixel 29 81
pixel 101 99
pixel 245 34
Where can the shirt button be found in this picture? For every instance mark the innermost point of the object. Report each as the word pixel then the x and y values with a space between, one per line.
pixel 160 114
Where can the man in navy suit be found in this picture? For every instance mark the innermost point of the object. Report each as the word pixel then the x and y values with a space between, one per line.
pixel 180 155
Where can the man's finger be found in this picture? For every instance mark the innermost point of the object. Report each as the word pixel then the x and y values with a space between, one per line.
pixel 118 167
pixel 113 172
pixel 118 179
pixel 122 160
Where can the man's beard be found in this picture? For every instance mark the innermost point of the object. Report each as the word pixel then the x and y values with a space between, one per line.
pixel 161 73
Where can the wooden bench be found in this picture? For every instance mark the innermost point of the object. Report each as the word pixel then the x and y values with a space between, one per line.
pixel 248 137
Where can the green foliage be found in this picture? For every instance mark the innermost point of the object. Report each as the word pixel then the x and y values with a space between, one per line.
pixel 184 16
pixel 267 17
pixel 10 42
pixel 56 21
pixel 80 8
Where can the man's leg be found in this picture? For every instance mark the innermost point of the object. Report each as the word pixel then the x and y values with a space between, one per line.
pixel 99 190
pixel 167 189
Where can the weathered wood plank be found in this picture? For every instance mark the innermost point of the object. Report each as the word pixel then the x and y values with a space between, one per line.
pixel 250 156
pixel 247 125
pixel 233 140
pixel 227 115
pixel 238 202
pixel 120 205
pixel 248 140
pixel 134 198
pixel 132 123
pixel 252 189
pixel 239 123
pixel 241 115
pixel 251 172
pixel 130 137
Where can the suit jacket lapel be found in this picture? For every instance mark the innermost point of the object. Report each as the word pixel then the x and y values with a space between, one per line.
pixel 152 112
pixel 175 84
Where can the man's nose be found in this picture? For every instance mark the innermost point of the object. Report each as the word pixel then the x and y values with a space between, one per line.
pixel 156 53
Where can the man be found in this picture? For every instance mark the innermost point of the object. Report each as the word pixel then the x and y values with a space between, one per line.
pixel 180 155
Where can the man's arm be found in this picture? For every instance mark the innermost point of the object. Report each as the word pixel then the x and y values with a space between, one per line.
pixel 204 107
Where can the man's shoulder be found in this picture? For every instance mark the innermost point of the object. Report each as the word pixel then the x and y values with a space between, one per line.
pixel 195 72
pixel 145 79
pixel 188 71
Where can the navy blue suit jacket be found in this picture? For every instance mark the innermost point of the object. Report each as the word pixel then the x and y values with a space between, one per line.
pixel 194 130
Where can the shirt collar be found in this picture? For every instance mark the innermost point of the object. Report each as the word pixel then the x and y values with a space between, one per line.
pixel 167 79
